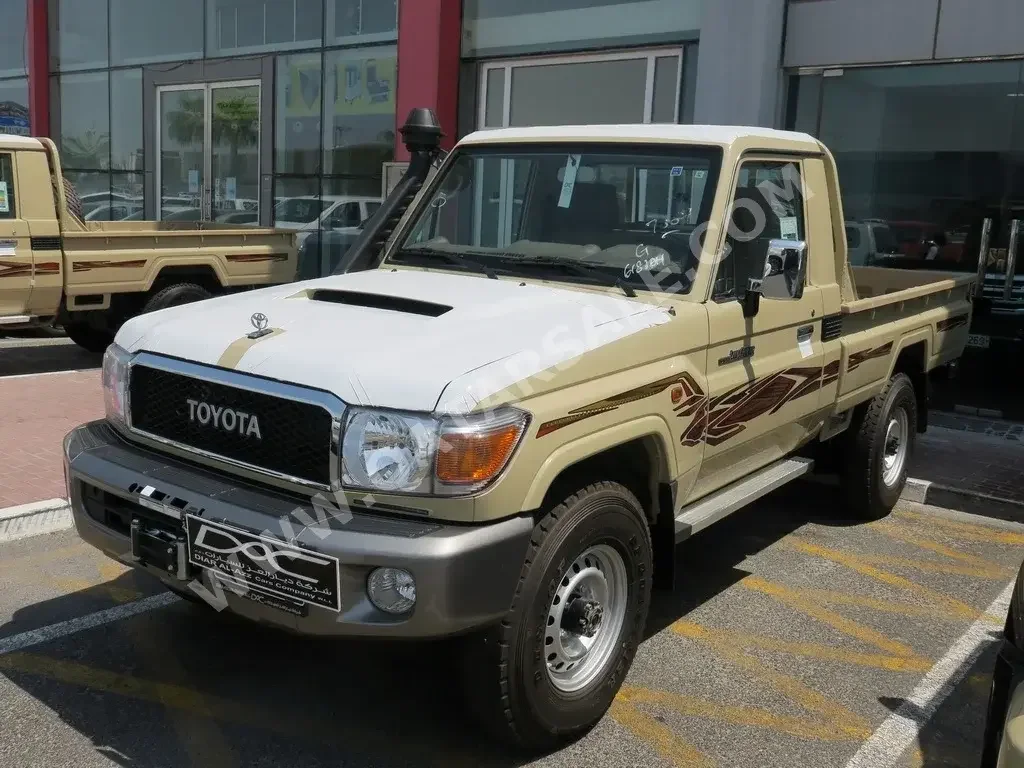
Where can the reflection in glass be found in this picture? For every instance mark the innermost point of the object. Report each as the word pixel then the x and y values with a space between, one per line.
pixel 359 118
pixel 182 131
pixel 93 189
pixel 666 88
pixel 155 30
pixel 12 38
pixel 14 116
pixel 494 105
pixel 573 93
pixel 263 25
pixel 84 121
pixel 365 19
pixel 126 128
pixel 235 152
pixel 81 35
pixel 297 112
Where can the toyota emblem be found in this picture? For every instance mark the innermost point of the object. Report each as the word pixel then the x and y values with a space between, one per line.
pixel 259 321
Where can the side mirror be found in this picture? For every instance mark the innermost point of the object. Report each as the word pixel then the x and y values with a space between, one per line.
pixel 783 277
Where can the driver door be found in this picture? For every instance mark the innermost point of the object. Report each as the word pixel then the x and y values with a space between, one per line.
pixel 764 372
pixel 16 278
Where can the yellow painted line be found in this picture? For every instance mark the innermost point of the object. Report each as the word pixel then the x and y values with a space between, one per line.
pixel 232 356
pixel 926 566
pixel 837 621
pixel 984 568
pixel 799 727
pixel 968 531
pixel 659 736
pixel 809 650
pixel 885 606
pixel 854 562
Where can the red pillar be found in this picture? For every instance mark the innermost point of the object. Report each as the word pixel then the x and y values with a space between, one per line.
pixel 38 37
pixel 429 35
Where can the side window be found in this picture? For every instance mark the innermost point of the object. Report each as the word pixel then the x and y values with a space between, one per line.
pixel 345 215
pixel 8 210
pixel 768 205
pixel 852 237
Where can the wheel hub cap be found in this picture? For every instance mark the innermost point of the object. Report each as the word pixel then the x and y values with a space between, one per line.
pixel 895 448
pixel 585 618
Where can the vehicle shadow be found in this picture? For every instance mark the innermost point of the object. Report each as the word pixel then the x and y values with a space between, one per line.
pixel 44 355
pixel 952 737
pixel 167 686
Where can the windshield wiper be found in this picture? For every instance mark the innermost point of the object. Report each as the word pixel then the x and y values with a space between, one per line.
pixel 449 258
pixel 575 267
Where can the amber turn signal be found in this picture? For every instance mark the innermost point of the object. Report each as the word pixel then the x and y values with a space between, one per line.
pixel 473 457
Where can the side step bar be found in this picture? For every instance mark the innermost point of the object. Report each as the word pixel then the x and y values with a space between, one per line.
pixel 699 515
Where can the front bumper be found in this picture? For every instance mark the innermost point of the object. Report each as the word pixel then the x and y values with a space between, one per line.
pixel 465 575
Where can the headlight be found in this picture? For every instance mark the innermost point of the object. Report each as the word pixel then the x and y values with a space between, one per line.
pixel 115 383
pixel 396 452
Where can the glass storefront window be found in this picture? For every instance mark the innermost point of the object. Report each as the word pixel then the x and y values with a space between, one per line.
pixel 93 188
pixel 84 119
pixel 14 116
pixel 81 27
pixel 359 111
pixel 12 38
pixel 126 129
pixel 144 31
pixel 500 27
pixel 297 107
pixel 572 90
pixel 361 21
pixel 235 26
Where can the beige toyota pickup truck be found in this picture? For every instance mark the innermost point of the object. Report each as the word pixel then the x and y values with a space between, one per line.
pixel 91 276
pixel 569 350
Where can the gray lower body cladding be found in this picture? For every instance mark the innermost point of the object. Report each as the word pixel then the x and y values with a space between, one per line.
pixel 465 575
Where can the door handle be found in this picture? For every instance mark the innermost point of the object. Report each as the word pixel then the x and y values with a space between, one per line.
pixel 804 332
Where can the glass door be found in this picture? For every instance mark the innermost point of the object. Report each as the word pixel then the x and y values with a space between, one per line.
pixel 209 149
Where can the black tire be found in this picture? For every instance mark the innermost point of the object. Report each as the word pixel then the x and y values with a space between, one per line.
pixel 174 295
pixel 504 668
pixel 866 494
pixel 88 338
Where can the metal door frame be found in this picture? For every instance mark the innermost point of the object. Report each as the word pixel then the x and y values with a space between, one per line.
pixel 207 88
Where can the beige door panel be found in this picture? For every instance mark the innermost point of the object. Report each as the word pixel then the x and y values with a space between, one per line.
pixel 15 245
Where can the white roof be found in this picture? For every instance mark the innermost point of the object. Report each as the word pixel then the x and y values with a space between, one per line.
pixel 648 132
pixel 27 142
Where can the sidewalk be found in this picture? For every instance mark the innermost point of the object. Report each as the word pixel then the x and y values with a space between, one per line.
pixel 971 465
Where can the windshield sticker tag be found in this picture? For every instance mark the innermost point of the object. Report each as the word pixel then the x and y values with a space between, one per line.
pixel 572 167
pixel 5 206
pixel 677 170
pixel 788 228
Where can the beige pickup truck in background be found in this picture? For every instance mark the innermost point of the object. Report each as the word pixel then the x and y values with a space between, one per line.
pixel 571 349
pixel 89 277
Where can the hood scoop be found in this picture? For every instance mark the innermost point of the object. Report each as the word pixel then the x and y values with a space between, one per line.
pixel 380 301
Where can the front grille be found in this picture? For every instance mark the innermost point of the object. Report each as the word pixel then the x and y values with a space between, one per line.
pixel 294 437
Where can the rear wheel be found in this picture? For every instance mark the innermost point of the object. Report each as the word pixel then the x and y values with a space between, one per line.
pixel 88 337
pixel 550 670
pixel 175 295
pixel 877 450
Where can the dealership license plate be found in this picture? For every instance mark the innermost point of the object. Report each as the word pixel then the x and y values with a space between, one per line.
pixel 978 340
pixel 266 566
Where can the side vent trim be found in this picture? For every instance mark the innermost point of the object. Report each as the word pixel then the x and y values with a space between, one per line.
pixel 380 301
pixel 831 327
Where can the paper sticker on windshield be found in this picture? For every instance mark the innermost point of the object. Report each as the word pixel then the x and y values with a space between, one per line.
pixel 5 206
pixel 788 227
pixel 572 167
pixel 677 170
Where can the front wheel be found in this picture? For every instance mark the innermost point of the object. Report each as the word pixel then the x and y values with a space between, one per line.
pixel 878 448
pixel 89 338
pixel 550 670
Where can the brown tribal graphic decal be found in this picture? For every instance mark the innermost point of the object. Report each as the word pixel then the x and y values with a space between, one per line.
pixel 859 358
pixel 247 258
pixel 951 323
pixel 23 269
pixel 86 266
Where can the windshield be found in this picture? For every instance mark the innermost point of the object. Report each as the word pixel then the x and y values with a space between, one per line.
pixel 636 214
pixel 302 209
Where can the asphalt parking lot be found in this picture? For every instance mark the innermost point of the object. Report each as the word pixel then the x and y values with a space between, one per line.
pixel 791 637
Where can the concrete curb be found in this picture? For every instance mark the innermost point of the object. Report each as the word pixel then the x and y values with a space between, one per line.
pixel 975 502
pixel 34 519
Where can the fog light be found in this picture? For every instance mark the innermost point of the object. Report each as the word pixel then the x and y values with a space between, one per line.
pixel 392 590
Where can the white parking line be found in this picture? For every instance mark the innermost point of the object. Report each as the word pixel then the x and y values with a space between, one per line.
pixel 886 746
pixel 45 373
pixel 91 621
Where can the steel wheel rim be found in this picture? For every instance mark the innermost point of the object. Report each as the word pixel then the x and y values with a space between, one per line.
pixel 894 455
pixel 585 618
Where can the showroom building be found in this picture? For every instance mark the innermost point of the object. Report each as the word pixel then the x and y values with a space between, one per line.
pixel 273 110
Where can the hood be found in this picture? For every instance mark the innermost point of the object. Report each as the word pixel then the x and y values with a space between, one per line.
pixel 395 339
